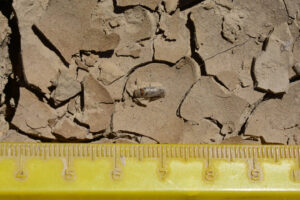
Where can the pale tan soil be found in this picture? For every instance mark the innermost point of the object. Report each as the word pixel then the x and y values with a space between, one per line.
pixel 150 71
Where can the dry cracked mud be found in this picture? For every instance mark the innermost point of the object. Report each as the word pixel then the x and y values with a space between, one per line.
pixel 150 71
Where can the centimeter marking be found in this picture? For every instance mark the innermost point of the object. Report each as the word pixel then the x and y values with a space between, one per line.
pixel 185 152
pixel 162 153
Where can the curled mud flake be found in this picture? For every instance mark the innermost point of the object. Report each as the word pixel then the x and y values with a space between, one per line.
pixel 150 93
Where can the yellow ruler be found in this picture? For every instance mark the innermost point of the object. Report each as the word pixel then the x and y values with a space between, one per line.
pixel 122 171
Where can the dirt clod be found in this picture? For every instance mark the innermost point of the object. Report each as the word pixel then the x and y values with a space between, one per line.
pixel 66 87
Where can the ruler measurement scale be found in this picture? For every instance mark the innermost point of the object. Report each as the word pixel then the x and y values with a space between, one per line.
pixel 165 163
pixel 160 152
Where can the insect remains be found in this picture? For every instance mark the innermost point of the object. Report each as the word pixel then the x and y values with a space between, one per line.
pixel 150 93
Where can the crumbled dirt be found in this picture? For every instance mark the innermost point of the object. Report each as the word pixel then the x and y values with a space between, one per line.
pixel 155 71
